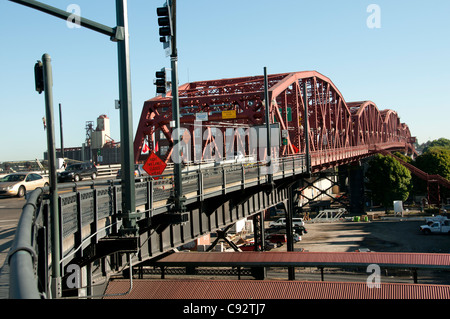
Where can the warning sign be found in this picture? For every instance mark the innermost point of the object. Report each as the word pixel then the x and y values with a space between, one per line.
pixel 231 114
pixel 154 165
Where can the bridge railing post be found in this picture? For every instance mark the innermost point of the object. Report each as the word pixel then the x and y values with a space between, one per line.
pixel 242 176
pixel 200 184
pixel 293 165
pixel 149 195
pixel 224 181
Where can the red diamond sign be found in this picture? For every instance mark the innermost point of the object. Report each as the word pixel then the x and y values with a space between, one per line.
pixel 154 165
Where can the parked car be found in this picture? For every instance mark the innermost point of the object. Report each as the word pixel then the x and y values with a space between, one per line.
pixel 251 246
pixel 282 222
pixel 278 239
pixel 17 184
pixel 76 172
pixel 436 227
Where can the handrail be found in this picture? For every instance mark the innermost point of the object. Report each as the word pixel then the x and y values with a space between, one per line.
pixel 22 257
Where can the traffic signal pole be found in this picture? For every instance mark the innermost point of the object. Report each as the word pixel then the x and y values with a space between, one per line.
pixel 167 22
pixel 178 196
pixel 47 86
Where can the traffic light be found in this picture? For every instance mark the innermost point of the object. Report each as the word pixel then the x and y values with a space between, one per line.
pixel 39 76
pixel 161 81
pixel 165 22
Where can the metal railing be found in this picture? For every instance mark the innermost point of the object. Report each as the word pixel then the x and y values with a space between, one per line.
pixel 23 256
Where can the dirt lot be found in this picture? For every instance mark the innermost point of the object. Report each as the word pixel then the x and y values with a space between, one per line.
pixel 388 235
pixel 394 235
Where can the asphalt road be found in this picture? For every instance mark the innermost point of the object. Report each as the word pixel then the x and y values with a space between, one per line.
pixel 10 211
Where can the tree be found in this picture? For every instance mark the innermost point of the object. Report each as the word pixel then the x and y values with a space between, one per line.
pixel 435 161
pixel 388 180
pixel 424 147
pixel 442 142
pixel 404 158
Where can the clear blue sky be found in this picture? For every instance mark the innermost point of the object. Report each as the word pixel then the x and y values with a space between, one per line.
pixel 404 65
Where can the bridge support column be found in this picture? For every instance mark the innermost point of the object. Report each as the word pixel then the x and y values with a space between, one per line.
pixel 356 188
pixel 258 232
pixel 322 197
pixel 289 208
pixel 289 227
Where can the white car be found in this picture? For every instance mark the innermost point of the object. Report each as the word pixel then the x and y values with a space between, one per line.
pixel 17 184
pixel 282 222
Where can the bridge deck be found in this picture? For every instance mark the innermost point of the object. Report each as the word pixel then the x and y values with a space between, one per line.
pixel 270 289
pixel 276 289
pixel 307 259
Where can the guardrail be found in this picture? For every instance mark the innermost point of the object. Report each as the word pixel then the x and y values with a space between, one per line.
pixel 24 253
pixel 108 170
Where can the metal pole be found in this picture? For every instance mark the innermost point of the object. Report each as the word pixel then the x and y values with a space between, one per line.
pixel 306 127
pixel 129 225
pixel 66 15
pixel 51 153
pixel 178 195
pixel 61 131
pixel 267 105
pixel 289 228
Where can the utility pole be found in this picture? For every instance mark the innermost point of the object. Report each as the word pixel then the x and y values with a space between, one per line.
pixel 61 131
pixel 267 105
pixel 129 226
pixel 306 127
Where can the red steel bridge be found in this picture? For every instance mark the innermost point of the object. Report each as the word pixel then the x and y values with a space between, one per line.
pixel 336 131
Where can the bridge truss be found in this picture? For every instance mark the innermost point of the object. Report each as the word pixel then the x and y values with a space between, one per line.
pixel 337 131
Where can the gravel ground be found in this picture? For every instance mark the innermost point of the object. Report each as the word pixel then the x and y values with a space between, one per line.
pixel 384 235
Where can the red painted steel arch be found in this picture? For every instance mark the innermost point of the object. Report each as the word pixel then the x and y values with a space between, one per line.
pixel 338 131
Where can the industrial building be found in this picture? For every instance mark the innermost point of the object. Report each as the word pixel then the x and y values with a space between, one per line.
pixel 98 147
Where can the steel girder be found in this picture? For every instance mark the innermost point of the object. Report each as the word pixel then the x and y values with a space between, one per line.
pixel 334 124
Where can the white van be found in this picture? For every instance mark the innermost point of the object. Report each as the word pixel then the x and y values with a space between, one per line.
pixel 282 222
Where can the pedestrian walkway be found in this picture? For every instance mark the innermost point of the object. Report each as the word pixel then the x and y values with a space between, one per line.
pixel 7 233
pixel 4 281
